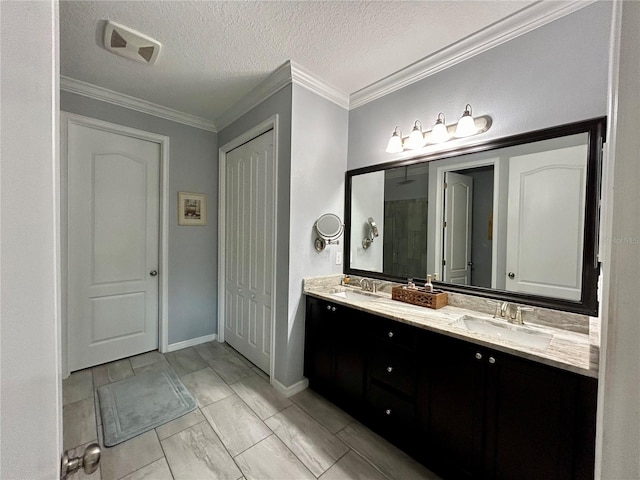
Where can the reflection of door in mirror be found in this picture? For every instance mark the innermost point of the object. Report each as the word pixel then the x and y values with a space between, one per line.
pixel 545 222
pixel 458 203
pixel 468 235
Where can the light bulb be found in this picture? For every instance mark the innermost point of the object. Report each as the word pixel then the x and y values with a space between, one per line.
pixel 440 132
pixel 416 139
pixel 466 125
pixel 395 142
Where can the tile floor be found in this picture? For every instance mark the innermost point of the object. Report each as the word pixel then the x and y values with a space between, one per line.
pixel 243 428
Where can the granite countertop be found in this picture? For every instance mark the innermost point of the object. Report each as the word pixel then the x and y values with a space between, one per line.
pixel 575 352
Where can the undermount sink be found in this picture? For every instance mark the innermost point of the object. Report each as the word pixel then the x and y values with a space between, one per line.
pixel 353 295
pixel 505 331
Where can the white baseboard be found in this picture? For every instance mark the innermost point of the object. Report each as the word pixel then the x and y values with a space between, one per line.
pixel 293 389
pixel 190 343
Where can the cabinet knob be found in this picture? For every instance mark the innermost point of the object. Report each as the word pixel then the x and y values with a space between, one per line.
pixel 389 369
pixel 511 275
pixel 333 309
pixel 478 356
pixel 492 360
pixel 387 411
pixel 390 334
pixel 328 307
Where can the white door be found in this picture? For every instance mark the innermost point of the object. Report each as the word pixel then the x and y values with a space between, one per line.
pixel 545 222
pixel 249 239
pixel 457 228
pixel 113 234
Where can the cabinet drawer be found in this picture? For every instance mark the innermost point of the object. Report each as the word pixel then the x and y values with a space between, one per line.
pixel 389 408
pixel 394 333
pixel 393 367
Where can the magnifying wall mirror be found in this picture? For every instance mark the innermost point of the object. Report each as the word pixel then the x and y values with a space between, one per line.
pixel 513 219
pixel 329 228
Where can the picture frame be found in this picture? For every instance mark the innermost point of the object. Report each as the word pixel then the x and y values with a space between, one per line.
pixel 192 209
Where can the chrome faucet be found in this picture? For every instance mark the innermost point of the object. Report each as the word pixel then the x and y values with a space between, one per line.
pixel 368 285
pixel 504 309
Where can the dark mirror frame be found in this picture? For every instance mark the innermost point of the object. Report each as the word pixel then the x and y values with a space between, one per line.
pixel 588 303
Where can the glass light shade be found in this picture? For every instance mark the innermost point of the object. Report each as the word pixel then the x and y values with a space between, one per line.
pixel 416 139
pixel 440 132
pixel 467 125
pixel 395 142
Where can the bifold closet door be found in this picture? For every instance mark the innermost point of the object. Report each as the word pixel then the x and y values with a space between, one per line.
pixel 250 243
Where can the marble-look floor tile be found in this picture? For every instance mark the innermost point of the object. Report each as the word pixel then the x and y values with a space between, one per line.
pixel 313 444
pixel 96 398
pixel 130 456
pixel 261 373
pixel 352 467
pixel 78 386
pixel 161 365
pixel 261 397
pixel 111 372
pixel 231 368
pixel 197 453
pixel 236 424
pixel 186 361
pixel 325 412
pixel 179 424
pixel 212 350
pixel 146 359
pixel 79 423
pixel 158 470
pixel 206 386
pixel 391 461
pixel 271 459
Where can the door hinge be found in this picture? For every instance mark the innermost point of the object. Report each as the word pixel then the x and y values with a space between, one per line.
pixel 444 224
pixel 444 262
pixel 445 185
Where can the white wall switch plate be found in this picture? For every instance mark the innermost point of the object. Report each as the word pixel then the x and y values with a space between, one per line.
pixel 338 258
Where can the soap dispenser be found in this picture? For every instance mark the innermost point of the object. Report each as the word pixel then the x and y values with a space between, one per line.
pixel 428 287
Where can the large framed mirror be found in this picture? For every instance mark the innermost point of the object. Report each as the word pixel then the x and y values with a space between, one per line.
pixel 515 219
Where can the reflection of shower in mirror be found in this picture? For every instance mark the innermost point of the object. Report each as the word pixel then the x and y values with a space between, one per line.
pixel 373 233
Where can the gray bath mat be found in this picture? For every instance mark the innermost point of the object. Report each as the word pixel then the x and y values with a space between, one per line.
pixel 138 404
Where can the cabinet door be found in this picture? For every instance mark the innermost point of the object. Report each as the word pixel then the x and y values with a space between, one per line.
pixel 319 348
pixel 530 420
pixel 455 407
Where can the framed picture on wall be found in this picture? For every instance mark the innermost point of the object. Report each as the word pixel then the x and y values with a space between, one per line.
pixel 192 208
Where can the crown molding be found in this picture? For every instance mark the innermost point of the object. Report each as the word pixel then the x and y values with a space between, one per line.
pixel 519 23
pixel 288 72
pixel 305 78
pixel 85 89
pixel 278 79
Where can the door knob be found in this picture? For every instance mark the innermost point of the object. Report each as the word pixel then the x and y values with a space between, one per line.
pixel 512 275
pixel 153 273
pixel 88 462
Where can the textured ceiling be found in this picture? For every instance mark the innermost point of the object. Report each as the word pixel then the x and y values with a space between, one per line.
pixel 214 53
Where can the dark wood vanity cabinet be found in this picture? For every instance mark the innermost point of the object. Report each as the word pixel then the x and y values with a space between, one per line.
pixel 466 412
pixel 492 415
pixel 334 352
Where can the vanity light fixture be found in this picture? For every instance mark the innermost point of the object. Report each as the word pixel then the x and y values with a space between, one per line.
pixel 466 125
pixel 440 133
pixel 416 138
pixel 395 142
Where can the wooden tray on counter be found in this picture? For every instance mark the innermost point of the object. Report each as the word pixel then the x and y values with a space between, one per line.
pixel 418 296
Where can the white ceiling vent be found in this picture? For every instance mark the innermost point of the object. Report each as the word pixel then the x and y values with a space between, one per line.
pixel 128 43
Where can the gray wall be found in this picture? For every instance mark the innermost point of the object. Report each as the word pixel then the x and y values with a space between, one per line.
pixel 280 104
pixel 553 75
pixel 312 158
pixel 193 251
pixel 319 131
